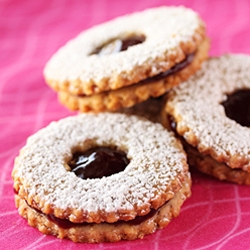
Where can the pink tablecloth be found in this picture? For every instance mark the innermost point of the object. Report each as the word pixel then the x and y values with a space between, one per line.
pixel 217 216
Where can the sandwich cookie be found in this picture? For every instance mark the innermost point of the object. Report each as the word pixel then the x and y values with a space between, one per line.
pixel 128 60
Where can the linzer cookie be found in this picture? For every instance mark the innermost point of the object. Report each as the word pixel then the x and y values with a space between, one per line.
pixel 211 113
pixel 96 177
pixel 128 60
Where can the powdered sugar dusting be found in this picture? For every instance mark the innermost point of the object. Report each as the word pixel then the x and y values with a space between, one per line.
pixel 165 28
pixel 201 118
pixel 155 161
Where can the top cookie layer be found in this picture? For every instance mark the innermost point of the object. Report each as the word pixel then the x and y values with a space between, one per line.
pixel 155 173
pixel 201 119
pixel 170 34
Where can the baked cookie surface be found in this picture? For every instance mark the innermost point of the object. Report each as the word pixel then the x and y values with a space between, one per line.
pixel 101 232
pixel 136 93
pixel 199 110
pixel 126 52
pixel 46 184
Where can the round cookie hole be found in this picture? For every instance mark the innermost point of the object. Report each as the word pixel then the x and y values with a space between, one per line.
pixel 237 107
pixel 119 44
pixel 98 162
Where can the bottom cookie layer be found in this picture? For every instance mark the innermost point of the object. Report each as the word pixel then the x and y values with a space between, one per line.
pixel 112 232
pixel 207 165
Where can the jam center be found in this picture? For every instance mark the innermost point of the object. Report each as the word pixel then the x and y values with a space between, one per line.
pixel 178 67
pixel 98 162
pixel 237 107
pixel 118 45
pixel 66 224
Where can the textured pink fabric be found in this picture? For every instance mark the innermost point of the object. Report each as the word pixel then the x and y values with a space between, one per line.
pixel 217 216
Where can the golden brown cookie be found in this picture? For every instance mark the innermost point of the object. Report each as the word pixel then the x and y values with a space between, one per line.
pixel 100 171
pixel 219 170
pixel 128 60
pixel 101 232
pixel 211 113
pixel 136 93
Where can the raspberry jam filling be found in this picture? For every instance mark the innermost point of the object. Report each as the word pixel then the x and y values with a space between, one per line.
pixel 66 224
pixel 176 68
pixel 237 107
pixel 98 162
pixel 118 45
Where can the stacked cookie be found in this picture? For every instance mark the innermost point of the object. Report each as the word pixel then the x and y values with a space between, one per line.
pixel 96 177
pixel 211 113
pixel 128 60
pixel 108 176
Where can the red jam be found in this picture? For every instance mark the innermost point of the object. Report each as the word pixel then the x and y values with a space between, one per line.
pixel 131 42
pixel 64 223
pixel 118 45
pixel 237 107
pixel 98 162
pixel 171 71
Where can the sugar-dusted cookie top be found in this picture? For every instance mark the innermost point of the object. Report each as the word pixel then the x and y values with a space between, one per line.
pixel 155 172
pixel 200 109
pixel 101 58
